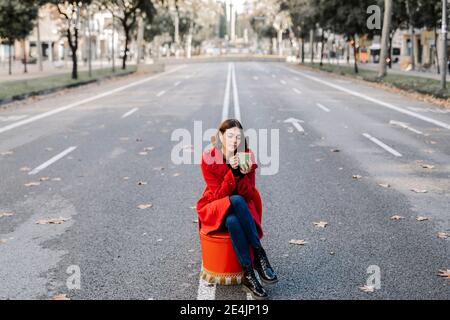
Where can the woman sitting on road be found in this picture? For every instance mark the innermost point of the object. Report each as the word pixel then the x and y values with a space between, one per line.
pixel 231 200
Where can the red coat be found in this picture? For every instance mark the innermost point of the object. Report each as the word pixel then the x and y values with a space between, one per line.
pixel 214 203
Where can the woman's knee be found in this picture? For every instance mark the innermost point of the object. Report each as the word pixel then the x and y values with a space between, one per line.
pixel 231 220
pixel 237 201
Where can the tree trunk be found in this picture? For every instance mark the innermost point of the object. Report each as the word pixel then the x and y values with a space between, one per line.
pixel 444 61
pixel 39 44
pixel 25 70
pixel 311 40
pixel 412 34
pixel 385 37
pixel 89 45
pixel 125 53
pixel 322 39
pixel 189 40
pixel 140 39
pixel 10 58
pixel 74 65
pixel 391 38
pixel 303 49
pixel 74 48
pixel 113 53
pixel 177 33
pixel 436 53
pixel 355 54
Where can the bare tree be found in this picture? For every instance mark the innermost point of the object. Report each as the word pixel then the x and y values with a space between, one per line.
pixel 385 37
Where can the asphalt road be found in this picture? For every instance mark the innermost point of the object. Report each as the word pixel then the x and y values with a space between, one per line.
pixel 92 146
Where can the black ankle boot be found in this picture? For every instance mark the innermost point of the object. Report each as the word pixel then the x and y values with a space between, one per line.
pixel 252 285
pixel 263 267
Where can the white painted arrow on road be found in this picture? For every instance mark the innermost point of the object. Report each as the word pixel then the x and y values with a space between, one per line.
pixel 296 124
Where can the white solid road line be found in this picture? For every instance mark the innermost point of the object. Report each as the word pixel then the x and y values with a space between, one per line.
pixel 13 118
pixel 323 107
pixel 84 101
pixel 51 161
pixel 381 144
pixel 404 126
pixel 129 113
pixel 237 108
pixel 161 93
pixel 206 291
pixel 296 91
pixel 226 98
pixel 379 102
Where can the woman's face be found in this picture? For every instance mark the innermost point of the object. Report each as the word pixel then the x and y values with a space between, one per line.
pixel 231 139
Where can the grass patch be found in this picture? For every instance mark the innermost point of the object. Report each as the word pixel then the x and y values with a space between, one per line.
pixel 14 90
pixel 405 82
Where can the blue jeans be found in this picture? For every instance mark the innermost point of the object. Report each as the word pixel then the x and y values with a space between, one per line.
pixel 242 228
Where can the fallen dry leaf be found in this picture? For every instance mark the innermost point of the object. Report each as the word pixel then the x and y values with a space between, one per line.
pixel 298 242
pixel 61 296
pixel 357 176
pixel 143 153
pixel 59 220
pixel 367 289
pixel 142 183
pixel 443 235
pixel 56 179
pixel 384 185
pixel 6 214
pixel 444 273
pixel 397 217
pixel 321 224
pixel 2 241
pixel 427 166
pixel 145 206
pixel 32 184
pixel 176 174
pixel 422 218
pixel 158 168
pixel 148 149
pixel 126 178
pixel 419 190
pixel 44 179
pixel 335 150
pixel 25 169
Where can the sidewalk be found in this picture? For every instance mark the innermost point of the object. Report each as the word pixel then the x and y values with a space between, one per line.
pixel 51 69
pixel 374 67
pixel 396 70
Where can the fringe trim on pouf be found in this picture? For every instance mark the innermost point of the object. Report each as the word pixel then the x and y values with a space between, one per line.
pixel 223 279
